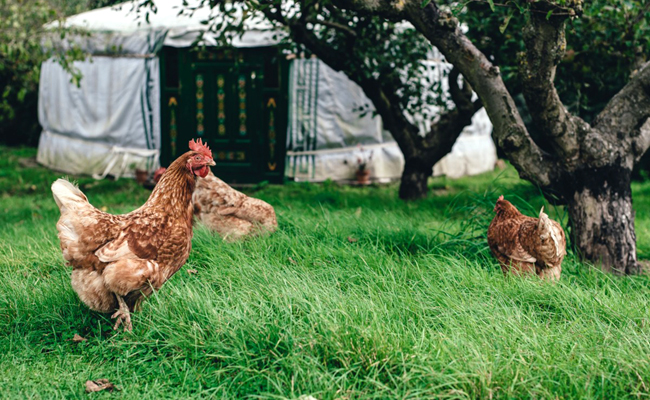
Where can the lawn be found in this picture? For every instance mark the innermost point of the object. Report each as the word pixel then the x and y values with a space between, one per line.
pixel 358 295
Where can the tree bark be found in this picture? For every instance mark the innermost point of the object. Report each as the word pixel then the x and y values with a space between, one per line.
pixel 415 178
pixel 602 221
pixel 545 46
pixel 443 31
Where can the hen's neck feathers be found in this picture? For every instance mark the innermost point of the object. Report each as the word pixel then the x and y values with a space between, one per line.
pixel 174 190
pixel 505 209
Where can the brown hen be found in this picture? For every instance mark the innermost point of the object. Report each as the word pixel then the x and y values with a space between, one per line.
pixel 119 259
pixel 229 212
pixel 526 245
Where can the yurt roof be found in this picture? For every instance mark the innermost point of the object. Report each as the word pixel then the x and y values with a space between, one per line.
pixel 181 24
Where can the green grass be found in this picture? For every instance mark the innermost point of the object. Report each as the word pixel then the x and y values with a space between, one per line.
pixel 414 308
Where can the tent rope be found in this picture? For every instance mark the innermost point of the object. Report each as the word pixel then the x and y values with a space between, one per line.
pixel 120 153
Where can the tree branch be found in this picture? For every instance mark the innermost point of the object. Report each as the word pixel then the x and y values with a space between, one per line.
pixel 443 31
pixel 388 107
pixel 303 35
pixel 629 30
pixel 546 43
pixel 625 117
pixel 382 91
pixel 462 97
pixel 443 134
pixel 334 25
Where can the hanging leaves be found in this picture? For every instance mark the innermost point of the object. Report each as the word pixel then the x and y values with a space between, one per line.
pixel 506 20
pixel 24 44
pixel 548 15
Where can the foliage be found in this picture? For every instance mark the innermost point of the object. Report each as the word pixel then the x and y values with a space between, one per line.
pixel 20 52
pixel 23 46
pixel 395 314
pixel 365 46
pixel 382 50
pixel 605 45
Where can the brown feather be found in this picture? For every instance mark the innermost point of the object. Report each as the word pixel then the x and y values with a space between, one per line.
pixel 526 245
pixel 128 255
pixel 231 213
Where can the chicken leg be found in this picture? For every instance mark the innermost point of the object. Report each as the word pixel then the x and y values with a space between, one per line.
pixel 123 315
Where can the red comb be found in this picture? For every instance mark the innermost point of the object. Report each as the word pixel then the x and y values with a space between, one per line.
pixel 200 147
pixel 500 198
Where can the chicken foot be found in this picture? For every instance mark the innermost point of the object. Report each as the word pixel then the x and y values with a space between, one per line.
pixel 123 315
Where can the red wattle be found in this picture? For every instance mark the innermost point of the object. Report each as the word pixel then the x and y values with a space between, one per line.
pixel 202 172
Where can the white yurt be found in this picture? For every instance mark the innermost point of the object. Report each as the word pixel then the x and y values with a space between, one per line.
pixel 146 89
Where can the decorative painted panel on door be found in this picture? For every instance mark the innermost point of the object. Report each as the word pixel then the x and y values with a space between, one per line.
pixel 228 103
pixel 235 100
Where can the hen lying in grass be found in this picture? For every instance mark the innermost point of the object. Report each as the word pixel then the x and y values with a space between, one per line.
pixel 229 212
pixel 526 245
pixel 118 259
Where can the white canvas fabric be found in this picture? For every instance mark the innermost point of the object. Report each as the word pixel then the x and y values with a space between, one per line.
pixel 110 124
pixel 328 134
pixel 123 28
pixel 474 151
pixel 115 112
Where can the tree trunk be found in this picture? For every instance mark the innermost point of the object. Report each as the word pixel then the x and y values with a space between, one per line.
pixel 602 221
pixel 585 165
pixel 414 180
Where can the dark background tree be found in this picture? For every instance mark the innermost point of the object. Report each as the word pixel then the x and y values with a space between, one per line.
pixel 586 166
pixel 607 44
pixel 388 61
pixel 21 53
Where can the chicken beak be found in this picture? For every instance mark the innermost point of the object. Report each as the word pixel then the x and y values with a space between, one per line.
pixel 212 163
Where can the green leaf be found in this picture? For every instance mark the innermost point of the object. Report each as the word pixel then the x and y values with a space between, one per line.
pixel 548 15
pixel 457 8
pixel 425 3
pixel 21 94
pixel 491 3
pixel 504 24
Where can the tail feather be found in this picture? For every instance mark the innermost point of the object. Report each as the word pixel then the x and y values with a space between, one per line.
pixel 77 217
pixel 67 195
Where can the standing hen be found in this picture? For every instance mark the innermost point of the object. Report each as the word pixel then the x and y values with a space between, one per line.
pixel 118 259
pixel 524 244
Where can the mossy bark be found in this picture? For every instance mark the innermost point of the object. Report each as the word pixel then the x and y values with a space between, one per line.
pixel 602 221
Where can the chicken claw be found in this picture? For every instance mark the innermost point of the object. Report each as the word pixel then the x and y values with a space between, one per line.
pixel 122 315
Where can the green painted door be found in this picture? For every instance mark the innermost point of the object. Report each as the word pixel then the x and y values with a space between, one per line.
pixel 236 101
pixel 227 109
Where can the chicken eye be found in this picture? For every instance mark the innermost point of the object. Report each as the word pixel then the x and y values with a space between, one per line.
pixel 197 157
